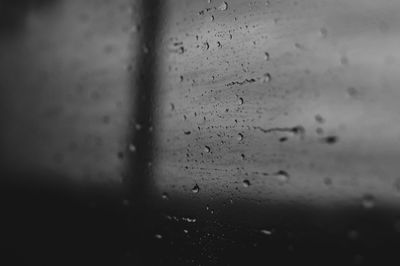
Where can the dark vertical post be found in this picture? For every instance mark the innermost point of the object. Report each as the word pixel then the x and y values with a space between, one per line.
pixel 144 91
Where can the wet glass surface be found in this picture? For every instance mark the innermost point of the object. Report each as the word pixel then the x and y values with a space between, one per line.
pixel 187 132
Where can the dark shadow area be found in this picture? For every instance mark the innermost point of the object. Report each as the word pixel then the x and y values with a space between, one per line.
pixel 47 222
pixel 245 233
pixel 144 90
pixel 13 13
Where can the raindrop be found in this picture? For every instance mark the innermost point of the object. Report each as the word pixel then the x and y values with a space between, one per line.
pixel 266 232
pixel 206 46
pixel 282 176
pixel 352 92
pixel 246 183
pixel 165 196
pixel 189 220
pixel 368 201
pixel 132 148
pixel 196 189
pixel 135 28
pixel 223 6
pixel 181 50
pixel 283 139
pixel 319 119
pixel 331 139
pixel 266 78
pixel 138 126
pixel 240 137
pixel 207 149
pixel 323 32
pixel 299 130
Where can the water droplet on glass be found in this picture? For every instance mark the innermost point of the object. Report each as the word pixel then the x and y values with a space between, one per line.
pixel 205 46
pixel 240 137
pixel 266 78
pixel 189 220
pixel 266 232
pixel 368 201
pixel 331 139
pixel 138 126
pixel 323 32
pixel 352 92
pixel 246 183
pixel 282 176
pixel 196 189
pixel 135 28
pixel 223 6
pixel 164 196
pixel 132 148
pixel 319 119
pixel 207 149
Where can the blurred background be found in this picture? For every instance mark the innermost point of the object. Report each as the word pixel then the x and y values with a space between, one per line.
pixel 182 132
